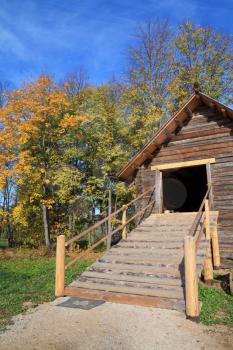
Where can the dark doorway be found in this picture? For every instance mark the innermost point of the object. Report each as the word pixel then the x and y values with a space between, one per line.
pixel 184 188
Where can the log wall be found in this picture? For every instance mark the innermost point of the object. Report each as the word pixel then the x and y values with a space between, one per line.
pixel 208 134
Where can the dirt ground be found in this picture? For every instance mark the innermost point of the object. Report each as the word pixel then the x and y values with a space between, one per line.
pixel 110 327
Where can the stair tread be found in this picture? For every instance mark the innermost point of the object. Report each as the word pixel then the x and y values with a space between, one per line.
pixel 129 287
pixel 150 279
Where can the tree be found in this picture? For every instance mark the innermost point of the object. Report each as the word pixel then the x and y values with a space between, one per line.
pixel 202 55
pixel 35 119
pixel 149 74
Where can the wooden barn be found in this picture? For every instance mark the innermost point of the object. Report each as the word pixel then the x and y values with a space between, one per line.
pixel 192 151
pixel 182 215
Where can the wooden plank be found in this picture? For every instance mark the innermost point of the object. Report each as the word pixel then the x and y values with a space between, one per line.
pixel 183 164
pixel 123 298
pixel 158 191
pixel 149 279
pixel 169 270
pixel 130 288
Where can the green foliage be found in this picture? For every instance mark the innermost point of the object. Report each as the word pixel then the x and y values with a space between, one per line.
pixel 217 306
pixel 202 55
pixel 29 279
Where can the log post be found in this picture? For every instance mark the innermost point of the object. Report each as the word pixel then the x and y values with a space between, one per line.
pixel 191 279
pixel 215 247
pixel 60 267
pixel 124 220
pixel 158 191
pixel 207 219
pixel 208 266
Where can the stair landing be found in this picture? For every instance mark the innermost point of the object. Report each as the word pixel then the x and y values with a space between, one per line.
pixel 145 269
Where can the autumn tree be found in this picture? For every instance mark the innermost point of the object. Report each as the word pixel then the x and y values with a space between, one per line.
pixel 36 118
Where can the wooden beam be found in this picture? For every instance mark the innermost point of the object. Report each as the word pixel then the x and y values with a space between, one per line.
pixel 135 167
pixel 155 143
pixel 212 107
pixel 224 112
pixel 158 191
pixel 189 112
pixel 183 164
pixel 179 122
pixel 168 133
pixel 148 155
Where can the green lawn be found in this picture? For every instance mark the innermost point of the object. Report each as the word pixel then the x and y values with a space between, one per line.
pixel 29 279
pixel 217 306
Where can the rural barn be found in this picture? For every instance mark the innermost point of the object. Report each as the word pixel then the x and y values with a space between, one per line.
pixel 183 222
pixel 193 150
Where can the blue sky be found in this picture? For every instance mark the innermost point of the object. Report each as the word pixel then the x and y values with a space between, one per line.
pixel 57 36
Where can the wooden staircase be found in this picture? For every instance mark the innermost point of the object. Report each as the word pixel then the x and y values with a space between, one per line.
pixel 147 268
pixel 157 264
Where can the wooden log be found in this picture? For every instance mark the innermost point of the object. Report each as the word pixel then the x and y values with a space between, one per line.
pixel 60 267
pixel 179 122
pixel 209 180
pixel 208 267
pixel 207 219
pixel 124 220
pixel 191 279
pixel 189 112
pixel 158 191
pixel 183 164
pixel 215 247
pixel 148 155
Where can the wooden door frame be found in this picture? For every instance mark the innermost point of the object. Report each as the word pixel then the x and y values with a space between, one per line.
pixel 159 178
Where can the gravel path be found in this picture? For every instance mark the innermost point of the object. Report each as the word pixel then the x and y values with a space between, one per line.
pixel 109 327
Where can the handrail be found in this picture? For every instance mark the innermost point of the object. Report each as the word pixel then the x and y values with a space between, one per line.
pixel 82 254
pixel 61 244
pixel 99 223
pixel 199 213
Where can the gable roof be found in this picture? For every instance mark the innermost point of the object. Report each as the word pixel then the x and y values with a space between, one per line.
pixel 165 132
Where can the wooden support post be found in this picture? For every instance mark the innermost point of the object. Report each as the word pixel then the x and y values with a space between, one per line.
pixel 158 191
pixel 209 180
pixel 124 220
pixel 191 279
pixel 215 248
pixel 207 219
pixel 208 266
pixel 60 267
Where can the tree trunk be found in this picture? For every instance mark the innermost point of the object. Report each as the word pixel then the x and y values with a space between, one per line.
pixel 46 225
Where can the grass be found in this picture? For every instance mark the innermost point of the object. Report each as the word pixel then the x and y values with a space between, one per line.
pixel 217 306
pixel 29 279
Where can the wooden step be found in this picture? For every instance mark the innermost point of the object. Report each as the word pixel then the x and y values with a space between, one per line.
pixel 148 245
pixel 122 298
pixel 162 291
pixel 144 278
pixel 148 269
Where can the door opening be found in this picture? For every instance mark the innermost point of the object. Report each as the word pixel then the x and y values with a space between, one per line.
pixel 184 188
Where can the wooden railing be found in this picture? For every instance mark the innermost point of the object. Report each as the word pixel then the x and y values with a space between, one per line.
pixel 62 244
pixel 200 226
